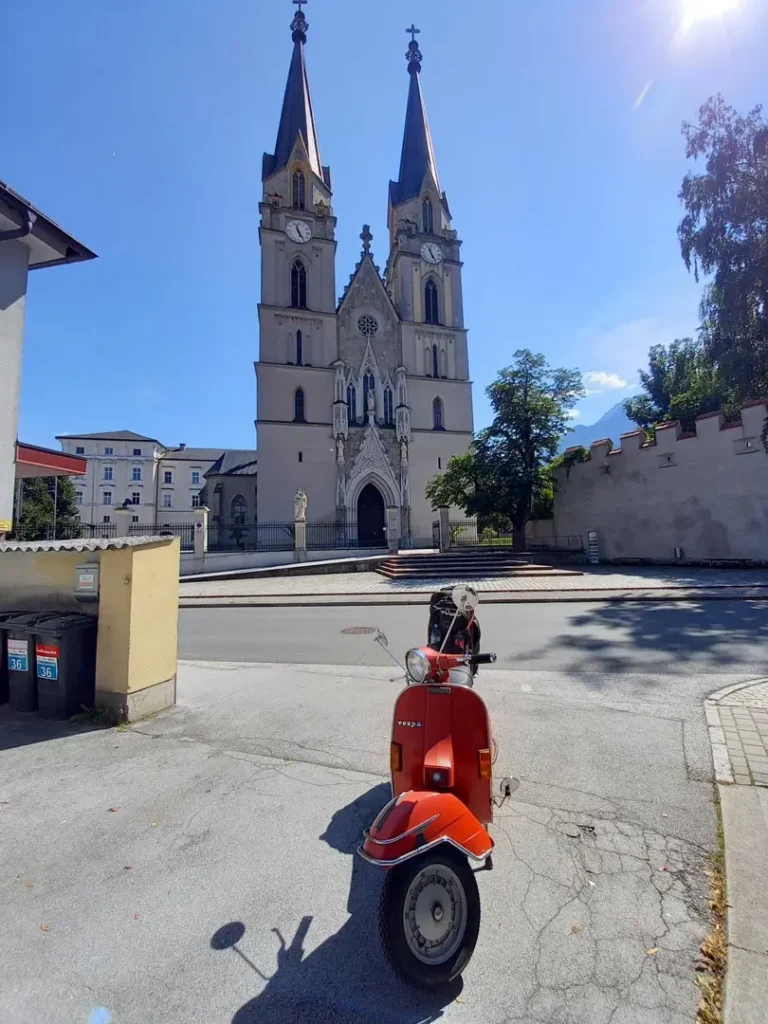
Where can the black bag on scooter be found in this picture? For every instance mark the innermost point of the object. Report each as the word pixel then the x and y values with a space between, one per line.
pixel 463 635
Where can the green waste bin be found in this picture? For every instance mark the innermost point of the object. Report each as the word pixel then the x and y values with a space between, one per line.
pixel 19 632
pixel 65 664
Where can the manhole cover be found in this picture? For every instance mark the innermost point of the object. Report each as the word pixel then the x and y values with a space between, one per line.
pixel 358 630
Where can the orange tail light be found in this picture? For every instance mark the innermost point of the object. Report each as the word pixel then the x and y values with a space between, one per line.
pixel 484 761
pixel 395 757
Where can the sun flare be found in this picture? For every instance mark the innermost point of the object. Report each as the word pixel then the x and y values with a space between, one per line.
pixel 698 10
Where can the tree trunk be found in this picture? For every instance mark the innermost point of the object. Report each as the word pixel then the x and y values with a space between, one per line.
pixel 518 538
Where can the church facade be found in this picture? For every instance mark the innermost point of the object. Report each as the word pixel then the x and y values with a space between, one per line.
pixel 360 400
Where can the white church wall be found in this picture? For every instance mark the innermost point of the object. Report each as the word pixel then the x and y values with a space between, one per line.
pixel 277 389
pixel 281 472
pixel 456 396
pixel 430 452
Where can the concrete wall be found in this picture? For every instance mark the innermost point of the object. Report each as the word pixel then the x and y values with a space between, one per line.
pixel 14 259
pixel 706 493
pixel 228 561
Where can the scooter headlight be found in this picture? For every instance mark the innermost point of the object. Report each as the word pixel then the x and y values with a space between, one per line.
pixel 417 664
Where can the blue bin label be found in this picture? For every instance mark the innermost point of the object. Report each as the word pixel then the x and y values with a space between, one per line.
pixel 18 655
pixel 47 661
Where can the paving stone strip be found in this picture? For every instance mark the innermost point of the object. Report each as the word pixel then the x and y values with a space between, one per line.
pixel 737 718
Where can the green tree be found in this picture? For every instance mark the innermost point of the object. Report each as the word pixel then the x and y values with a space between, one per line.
pixel 724 235
pixel 502 476
pixel 36 520
pixel 680 383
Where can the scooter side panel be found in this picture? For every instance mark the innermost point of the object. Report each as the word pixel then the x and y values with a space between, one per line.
pixel 415 821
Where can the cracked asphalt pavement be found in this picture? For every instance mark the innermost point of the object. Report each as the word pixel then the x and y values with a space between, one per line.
pixel 199 867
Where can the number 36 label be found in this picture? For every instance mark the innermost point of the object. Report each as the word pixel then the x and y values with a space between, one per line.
pixel 18 658
pixel 47 662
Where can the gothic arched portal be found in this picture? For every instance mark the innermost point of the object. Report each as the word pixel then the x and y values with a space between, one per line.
pixel 370 518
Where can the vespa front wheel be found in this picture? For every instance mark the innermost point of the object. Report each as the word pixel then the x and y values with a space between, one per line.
pixel 429 918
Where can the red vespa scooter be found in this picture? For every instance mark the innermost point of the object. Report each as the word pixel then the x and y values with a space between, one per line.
pixel 434 828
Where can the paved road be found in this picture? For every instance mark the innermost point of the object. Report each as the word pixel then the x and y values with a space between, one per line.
pixel 684 638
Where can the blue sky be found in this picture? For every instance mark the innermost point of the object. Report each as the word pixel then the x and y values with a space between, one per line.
pixel 139 126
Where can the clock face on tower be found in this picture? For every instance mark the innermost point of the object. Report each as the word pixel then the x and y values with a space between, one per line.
pixel 431 252
pixel 298 231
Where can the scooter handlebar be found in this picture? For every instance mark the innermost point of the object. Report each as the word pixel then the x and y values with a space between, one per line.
pixel 482 659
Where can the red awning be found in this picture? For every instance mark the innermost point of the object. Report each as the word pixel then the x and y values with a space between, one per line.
pixel 33 461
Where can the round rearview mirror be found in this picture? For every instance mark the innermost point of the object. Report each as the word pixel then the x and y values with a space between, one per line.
pixel 465 597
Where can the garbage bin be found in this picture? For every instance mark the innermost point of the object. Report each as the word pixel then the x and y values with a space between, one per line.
pixel 20 658
pixel 4 657
pixel 65 664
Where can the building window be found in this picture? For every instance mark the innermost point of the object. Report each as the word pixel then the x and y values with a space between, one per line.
pixel 299 354
pixel 351 405
pixel 299 191
pixel 389 417
pixel 134 519
pixel 437 414
pixel 78 497
pixel 439 462
pixel 435 372
pixel 168 476
pixel 137 451
pixel 136 474
pixel 80 450
pixel 108 473
pixel 109 451
pixel 369 384
pixel 167 499
pixel 239 511
pixel 298 406
pixel 195 501
pixel 195 476
pixel 106 498
pixel 430 303
pixel 298 285
pixel 135 497
pixel 427 217
pixel 106 519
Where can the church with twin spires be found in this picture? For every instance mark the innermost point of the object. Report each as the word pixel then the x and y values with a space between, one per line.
pixel 361 399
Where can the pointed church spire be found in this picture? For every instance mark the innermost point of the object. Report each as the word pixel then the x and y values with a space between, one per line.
pixel 297 116
pixel 418 155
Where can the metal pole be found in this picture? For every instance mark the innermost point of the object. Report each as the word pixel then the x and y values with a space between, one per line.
pixel 55 501
pixel 19 504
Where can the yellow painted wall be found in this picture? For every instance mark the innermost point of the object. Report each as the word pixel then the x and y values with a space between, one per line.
pixel 155 615
pixel 39 580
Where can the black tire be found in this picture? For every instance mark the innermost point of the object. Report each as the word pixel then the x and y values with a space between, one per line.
pixel 409 967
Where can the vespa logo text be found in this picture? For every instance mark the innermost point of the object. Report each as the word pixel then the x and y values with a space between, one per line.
pixel 411 725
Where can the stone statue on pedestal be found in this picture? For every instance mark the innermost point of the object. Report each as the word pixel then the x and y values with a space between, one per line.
pixel 300 506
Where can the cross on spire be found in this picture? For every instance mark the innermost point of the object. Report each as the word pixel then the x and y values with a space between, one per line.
pixel 299 4
pixel 413 30
pixel 366 238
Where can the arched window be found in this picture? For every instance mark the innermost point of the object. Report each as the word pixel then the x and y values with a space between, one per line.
pixel 351 404
pixel 239 511
pixel 443 363
pixel 427 217
pixel 298 406
pixel 299 285
pixel 430 303
pixel 299 191
pixel 299 359
pixel 435 371
pixel 389 417
pixel 437 414
pixel 369 384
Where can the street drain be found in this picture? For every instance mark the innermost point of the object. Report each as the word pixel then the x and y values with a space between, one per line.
pixel 358 630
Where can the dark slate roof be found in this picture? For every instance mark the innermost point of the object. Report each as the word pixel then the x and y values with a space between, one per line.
pixel 108 435
pixel 418 154
pixel 194 454
pixel 68 249
pixel 234 463
pixel 297 117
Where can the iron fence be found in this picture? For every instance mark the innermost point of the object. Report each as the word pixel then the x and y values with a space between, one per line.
pixel 184 531
pixel 250 536
pixel 468 533
pixel 436 534
pixel 341 536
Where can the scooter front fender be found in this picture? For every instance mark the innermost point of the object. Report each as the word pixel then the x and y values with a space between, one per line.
pixel 417 821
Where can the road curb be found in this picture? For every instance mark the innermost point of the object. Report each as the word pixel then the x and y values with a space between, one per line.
pixel 720 755
pixel 724 593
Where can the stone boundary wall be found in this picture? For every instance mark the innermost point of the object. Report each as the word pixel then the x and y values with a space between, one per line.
pixel 684 497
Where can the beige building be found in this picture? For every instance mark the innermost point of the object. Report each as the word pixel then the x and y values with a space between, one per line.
pixel 360 401
pixel 686 497
pixel 161 484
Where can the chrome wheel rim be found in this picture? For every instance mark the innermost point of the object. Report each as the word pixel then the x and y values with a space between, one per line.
pixel 435 914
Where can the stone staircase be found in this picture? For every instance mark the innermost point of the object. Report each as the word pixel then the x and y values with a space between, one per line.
pixel 466 565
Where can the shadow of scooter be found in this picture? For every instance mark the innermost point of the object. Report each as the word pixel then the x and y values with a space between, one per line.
pixel 347 979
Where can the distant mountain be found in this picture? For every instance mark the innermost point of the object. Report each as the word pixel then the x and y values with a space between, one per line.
pixel 611 424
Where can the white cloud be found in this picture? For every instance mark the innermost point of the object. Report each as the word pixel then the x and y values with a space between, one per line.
pixel 573 414
pixel 608 381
